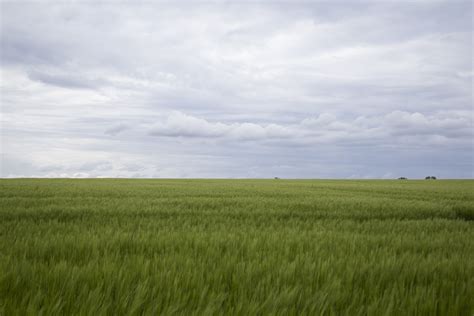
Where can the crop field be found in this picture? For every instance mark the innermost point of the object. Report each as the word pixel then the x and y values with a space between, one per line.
pixel 246 247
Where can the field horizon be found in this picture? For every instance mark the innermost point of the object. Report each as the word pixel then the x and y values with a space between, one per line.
pixel 230 178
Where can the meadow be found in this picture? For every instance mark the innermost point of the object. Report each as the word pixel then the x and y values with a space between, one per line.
pixel 236 247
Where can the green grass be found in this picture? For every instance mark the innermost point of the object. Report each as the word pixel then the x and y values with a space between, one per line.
pixel 248 247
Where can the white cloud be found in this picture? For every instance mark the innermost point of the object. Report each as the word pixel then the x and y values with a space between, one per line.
pixel 178 124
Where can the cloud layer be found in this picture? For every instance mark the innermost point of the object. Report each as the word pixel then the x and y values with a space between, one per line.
pixel 398 126
pixel 218 89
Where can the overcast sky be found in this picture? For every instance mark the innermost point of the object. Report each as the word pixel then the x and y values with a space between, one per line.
pixel 336 89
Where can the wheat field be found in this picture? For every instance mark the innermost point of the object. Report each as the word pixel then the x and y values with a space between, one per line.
pixel 236 247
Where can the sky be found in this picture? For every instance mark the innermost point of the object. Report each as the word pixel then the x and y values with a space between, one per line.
pixel 237 89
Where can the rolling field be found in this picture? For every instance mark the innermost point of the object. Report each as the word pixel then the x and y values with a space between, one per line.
pixel 247 247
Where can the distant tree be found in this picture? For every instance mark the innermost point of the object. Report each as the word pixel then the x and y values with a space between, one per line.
pixel 427 178
pixel 276 178
pixel 402 178
pixel 430 178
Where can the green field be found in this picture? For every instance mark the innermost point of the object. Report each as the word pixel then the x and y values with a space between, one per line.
pixel 248 247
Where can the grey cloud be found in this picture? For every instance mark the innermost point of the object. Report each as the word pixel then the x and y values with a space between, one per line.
pixel 65 80
pixel 116 129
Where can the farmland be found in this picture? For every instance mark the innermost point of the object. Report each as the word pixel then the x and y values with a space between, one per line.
pixel 193 247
